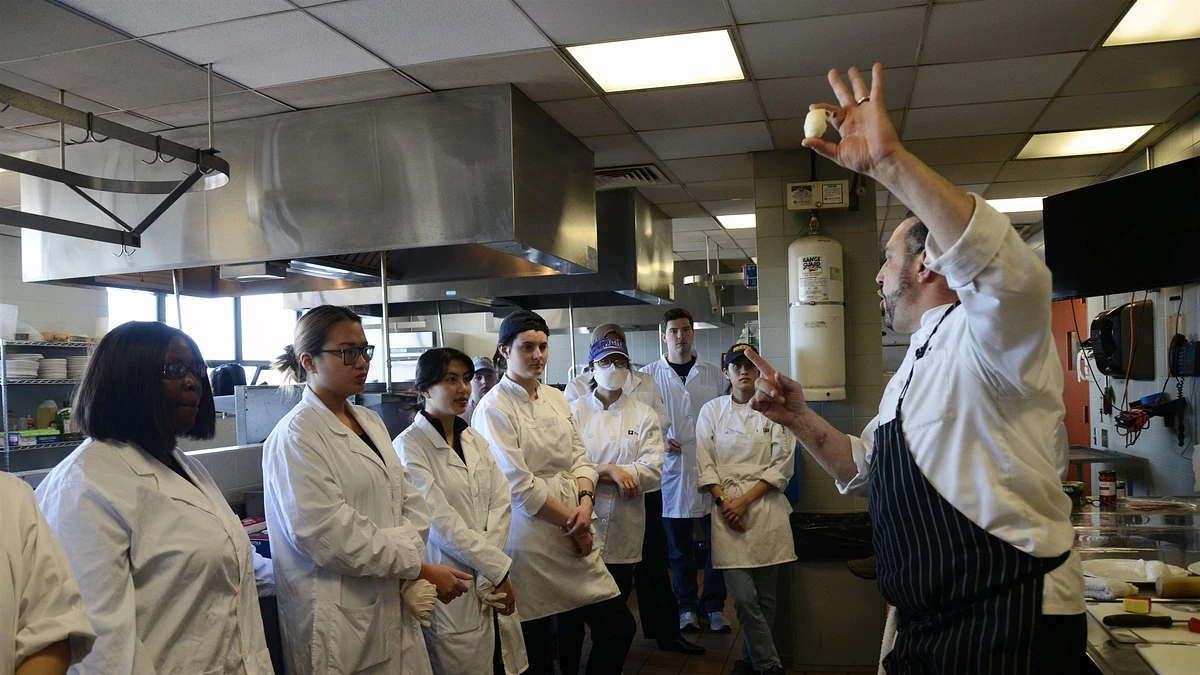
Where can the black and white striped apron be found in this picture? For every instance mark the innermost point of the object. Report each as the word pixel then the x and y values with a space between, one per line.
pixel 968 601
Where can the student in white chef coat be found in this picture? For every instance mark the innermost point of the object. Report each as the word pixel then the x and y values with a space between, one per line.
pixel 622 437
pixel 556 569
pixel 470 510
pixel 167 574
pixel 482 381
pixel 641 387
pixel 745 464
pixel 687 383
pixel 347 527
pixel 43 629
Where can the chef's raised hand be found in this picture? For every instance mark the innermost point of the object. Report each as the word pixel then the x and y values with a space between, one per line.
pixel 447 580
pixel 868 140
pixel 776 395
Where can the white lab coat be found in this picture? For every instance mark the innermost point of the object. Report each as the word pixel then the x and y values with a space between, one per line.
pixel 641 387
pixel 537 446
pixel 39 599
pixel 627 435
pixel 168 576
pixel 347 528
pixel 470 511
pixel 681 495
pixel 738 447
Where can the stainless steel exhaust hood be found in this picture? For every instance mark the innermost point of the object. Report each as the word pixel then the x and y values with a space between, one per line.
pixel 453 185
pixel 636 265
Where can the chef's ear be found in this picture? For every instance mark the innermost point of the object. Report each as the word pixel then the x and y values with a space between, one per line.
pixel 503 350
pixel 308 363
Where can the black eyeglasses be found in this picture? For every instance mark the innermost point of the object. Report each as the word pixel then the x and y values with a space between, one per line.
pixel 350 356
pixel 178 371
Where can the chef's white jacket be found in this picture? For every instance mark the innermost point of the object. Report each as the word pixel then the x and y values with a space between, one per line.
pixel 738 447
pixel 39 599
pixel 983 415
pixel 470 512
pixel 681 471
pixel 169 578
pixel 626 435
pixel 347 528
pixel 537 446
pixel 641 387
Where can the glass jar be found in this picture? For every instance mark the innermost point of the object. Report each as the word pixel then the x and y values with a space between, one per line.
pixel 1108 486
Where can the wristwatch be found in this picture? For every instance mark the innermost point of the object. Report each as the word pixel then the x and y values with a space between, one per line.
pixel 587 493
pixel 719 501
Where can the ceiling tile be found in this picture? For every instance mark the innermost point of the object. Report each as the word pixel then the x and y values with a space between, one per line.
pixel 724 139
pixel 1058 167
pixel 135 121
pixel 147 17
pixel 739 188
pixel 269 50
pixel 978 189
pixel 691 224
pixel 343 89
pixel 36 28
pixel 1114 110
pixel 422 31
pixel 758 11
pixel 966 150
pixel 695 106
pixel 15 117
pixel 618 150
pixel 729 207
pixel 542 75
pixel 1135 67
pixel 789 97
pixel 1000 80
pixel 225 108
pixel 969 120
pixel 10 187
pixel 17 141
pixel 666 194
pixel 788 134
pixel 996 29
pixel 981 172
pixel 147 75
pixel 570 23
pixel 684 210
pixel 585 117
pixel 314 3
pixel 813 46
pixel 1034 188
pixel 712 168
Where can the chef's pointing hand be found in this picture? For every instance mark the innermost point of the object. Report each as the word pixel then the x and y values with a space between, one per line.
pixel 777 396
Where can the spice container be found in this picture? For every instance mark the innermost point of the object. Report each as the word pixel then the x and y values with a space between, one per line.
pixel 1108 486
pixel 1120 490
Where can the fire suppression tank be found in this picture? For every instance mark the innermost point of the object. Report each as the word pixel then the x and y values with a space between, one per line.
pixel 817 315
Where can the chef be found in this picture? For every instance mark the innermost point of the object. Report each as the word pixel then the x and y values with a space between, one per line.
pixel 555 567
pixel 481 383
pixel 470 511
pixel 347 527
pixel 687 383
pixel 971 525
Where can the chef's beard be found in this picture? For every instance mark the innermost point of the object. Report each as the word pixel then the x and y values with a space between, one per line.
pixel 891 302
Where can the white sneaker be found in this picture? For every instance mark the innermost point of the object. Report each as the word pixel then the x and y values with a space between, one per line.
pixel 718 623
pixel 688 623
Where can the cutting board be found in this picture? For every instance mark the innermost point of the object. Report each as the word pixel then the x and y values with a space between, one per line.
pixel 1178 633
pixel 1171 659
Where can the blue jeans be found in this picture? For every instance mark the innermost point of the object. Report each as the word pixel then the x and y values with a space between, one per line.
pixel 683 567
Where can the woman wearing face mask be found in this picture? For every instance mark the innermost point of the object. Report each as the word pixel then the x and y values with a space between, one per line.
pixel 470 511
pixel 745 463
pixel 167 574
pixel 347 527
pixel 622 437
pixel 555 568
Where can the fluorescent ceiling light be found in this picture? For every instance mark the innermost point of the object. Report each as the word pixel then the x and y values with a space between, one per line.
pixel 742 221
pixel 667 61
pixel 1090 142
pixel 1017 205
pixel 1157 21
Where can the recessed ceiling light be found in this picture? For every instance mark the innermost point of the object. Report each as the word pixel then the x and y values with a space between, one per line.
pixel 1017 204
pixel 1157 21
pixel 742 221
pixel 1090 142
pixel 667 61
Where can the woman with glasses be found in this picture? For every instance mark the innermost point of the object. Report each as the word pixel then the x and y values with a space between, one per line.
pixel 168 577
pixel 347 527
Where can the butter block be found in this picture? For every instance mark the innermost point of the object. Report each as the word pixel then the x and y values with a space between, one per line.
pixel 1136 604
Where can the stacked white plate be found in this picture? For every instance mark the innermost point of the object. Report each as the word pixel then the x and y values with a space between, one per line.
pixel 21 369
pixel 52 369
pixel 75 366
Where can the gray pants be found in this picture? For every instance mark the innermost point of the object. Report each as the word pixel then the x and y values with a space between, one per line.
pixel 753 591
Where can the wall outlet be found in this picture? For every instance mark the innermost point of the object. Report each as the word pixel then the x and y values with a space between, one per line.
pixel 1104 438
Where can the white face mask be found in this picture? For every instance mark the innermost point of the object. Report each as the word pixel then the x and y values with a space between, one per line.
pixel 611 377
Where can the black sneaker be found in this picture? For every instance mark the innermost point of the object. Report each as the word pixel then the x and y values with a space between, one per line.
pixel 742 667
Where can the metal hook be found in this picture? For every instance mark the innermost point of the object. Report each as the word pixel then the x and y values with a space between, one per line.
pixel 125 252
pixel 158 156
pixel 91 135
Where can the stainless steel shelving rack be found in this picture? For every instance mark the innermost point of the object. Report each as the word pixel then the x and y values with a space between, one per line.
pixel 51 453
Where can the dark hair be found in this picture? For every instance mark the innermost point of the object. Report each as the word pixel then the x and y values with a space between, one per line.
pixel 432 367
pixel 120 397
pixel 311 332
pixel 914 239
pixel 673 314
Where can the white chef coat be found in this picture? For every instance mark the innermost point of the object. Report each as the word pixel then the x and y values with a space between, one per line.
pixel 641 387
pixel 347 527
pixel 470 511
pixel 983 415
pixel 738 447
pixel 39 599
pixel 537 446
pixel 626 435
pixel 705 381
pixel 168 576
